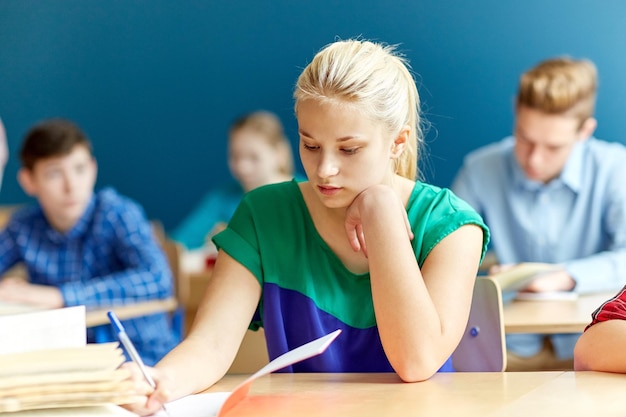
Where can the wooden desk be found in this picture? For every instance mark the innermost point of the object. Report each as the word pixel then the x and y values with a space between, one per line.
pixel 445 394
pixel 197 284
pixel 99 316
pixel 554 316
pixel 144 308
pixel 572 394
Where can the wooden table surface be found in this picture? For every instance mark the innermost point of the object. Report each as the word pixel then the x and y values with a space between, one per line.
pixel 99 316
pixel 445 394
pixel 552 316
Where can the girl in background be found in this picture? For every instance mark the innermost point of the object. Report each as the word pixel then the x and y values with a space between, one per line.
pixel 259 153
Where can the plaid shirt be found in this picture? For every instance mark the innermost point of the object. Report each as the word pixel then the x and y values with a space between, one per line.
pixel 110 257
pixel 612 309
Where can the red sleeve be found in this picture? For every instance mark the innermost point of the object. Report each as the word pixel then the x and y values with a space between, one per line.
pixel 612 309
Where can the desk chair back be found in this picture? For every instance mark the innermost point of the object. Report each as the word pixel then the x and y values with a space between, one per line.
pixel 173 252
pixel 482 347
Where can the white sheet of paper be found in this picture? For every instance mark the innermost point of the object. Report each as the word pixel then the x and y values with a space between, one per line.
pixel 45 329
pixel 198 405
pixel 217 403
pixel 306 351
pixel 298 354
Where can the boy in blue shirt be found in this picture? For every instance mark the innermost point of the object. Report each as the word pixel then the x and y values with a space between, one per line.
pixel 553 193
pixel 81 247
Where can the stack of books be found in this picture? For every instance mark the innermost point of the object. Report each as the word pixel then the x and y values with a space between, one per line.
pixel 47 369
pixel 71 377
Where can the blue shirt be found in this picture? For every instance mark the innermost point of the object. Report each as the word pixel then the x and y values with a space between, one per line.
pixel 216 206
pixel 110 257
pixel 577 220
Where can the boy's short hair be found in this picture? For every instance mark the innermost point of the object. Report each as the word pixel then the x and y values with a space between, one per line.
pixel 51 138
pixel 560 86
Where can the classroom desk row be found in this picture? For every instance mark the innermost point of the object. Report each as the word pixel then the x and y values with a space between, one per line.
pixel 445 394
pixel 552 316
pixel 548 316
pixel 520 316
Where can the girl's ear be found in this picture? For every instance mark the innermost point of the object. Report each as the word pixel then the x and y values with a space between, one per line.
pixel 25 178
pixel 400 142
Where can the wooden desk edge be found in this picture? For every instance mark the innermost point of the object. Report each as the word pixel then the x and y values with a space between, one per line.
pixel 124 312
pixel 548 328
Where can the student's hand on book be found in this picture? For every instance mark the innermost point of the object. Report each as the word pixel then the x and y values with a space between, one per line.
pixel 154 398
pixel 17 290
pixel 558 280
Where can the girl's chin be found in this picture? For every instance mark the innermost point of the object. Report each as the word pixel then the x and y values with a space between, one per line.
pixel 334 203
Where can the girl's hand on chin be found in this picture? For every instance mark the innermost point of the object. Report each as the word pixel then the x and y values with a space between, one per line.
pixel 367 204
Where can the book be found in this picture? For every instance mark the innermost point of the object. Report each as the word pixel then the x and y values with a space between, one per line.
pixel 519 276
pixel 48 369
pixel 31 329
pixel 67 377
pixel 106 410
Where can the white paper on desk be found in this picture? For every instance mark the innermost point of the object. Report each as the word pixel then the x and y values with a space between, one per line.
pixel 296 355
pixel 198 405
pixel 45 329
pixel 218 403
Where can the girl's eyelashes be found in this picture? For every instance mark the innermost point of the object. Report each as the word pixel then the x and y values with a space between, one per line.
pixel 350 151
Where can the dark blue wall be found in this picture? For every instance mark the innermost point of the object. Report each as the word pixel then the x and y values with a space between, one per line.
pixel 156 83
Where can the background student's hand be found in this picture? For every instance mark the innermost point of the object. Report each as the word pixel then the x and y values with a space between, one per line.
pixel 495 269
pixel 154 398
pixel 558 280
pixel 18 290
pixel 551 281
pixel 378 197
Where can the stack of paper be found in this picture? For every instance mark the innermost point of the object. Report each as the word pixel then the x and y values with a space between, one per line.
pixel 47 369
pixel 69 377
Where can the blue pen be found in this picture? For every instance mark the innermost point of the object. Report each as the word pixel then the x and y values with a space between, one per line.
pixel 130 348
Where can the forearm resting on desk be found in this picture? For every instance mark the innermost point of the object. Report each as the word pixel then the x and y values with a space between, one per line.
pixel 602 347
pixel 16 289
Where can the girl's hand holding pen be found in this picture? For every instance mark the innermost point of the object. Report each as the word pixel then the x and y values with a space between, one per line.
pixel 139 369
pixel 155 397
